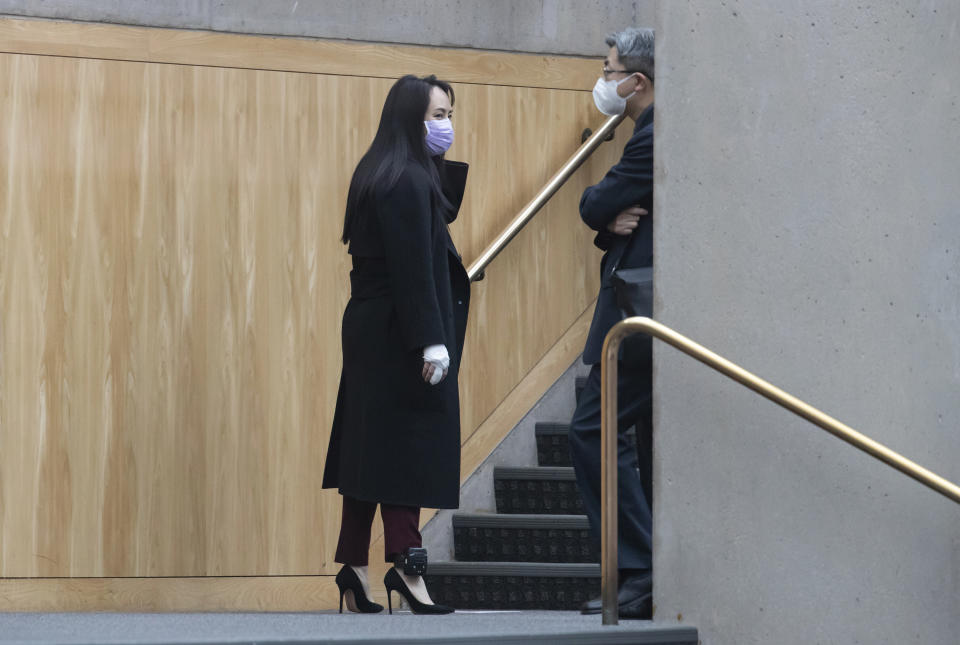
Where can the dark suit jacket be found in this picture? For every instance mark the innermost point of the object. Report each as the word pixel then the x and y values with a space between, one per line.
pixel 628 183
pixel 395 438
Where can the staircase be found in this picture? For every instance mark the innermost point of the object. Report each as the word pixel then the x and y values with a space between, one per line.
pixel 536 551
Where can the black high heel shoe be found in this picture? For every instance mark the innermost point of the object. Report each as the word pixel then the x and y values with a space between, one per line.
pixel 394 582
pixel 349 584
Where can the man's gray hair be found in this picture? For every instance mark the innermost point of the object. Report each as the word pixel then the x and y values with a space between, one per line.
pixel 634 49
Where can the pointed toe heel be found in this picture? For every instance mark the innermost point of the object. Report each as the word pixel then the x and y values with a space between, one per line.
pixel 393 582
pixel 350 586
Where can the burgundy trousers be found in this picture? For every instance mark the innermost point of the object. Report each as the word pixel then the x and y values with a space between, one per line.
pixel 401 530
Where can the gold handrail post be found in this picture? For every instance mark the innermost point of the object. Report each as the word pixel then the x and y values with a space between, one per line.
pixel 608 437
pixel 609 576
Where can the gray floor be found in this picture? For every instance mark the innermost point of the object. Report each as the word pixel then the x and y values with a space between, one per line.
pixel 462 627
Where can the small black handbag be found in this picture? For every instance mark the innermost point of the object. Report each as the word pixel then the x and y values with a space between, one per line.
pixel 634 289
pixel 634 293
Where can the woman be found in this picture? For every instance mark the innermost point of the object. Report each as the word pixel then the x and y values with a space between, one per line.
pixel 396 430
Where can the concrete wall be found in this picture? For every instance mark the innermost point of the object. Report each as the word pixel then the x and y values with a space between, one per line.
pixel 542 26
pixel 808 227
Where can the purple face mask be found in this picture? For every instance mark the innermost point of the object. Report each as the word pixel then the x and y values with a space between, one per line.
pixel 439 136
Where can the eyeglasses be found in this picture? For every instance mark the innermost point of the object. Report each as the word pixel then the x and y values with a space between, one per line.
pixel 607 72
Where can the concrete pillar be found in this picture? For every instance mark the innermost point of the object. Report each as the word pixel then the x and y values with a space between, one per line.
pixel 808 228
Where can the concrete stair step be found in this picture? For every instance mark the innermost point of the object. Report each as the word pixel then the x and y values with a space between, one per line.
pixel 512 585
pixel 579 384
pixel 460 628
pixel 523 538
pixel 537 490
pixel 553 443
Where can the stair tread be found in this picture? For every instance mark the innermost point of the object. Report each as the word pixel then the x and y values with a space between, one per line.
pixel 534 472
pixel 513 585
pixel 551 428
pixel 527 569
pixel 521 520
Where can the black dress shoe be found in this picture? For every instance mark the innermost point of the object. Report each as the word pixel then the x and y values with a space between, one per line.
pixel 634 599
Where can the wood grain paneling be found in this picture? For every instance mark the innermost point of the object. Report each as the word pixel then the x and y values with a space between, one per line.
pixel 171 287
pixel 517 403
pixel 191 47
pixel 171 280
pixel 273 593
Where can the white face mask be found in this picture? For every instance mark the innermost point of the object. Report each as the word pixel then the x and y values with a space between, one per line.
pixel 606 98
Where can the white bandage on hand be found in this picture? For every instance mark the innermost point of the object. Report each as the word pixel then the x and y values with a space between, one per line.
pixel 437 356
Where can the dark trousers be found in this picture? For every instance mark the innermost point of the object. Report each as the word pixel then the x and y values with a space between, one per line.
pixel 635 497
pixel 401 530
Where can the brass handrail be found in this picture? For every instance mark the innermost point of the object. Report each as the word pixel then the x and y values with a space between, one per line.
pixel 608 437
pixel 475 272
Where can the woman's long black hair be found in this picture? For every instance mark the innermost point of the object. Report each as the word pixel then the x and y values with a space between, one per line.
pixel 399 140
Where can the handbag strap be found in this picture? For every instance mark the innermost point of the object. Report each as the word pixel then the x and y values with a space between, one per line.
pixel 626 248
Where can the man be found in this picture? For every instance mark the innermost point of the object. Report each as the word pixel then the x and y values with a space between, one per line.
pixel 620 209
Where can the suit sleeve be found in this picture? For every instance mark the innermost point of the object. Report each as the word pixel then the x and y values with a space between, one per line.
pixel 604 240
pixel 405 218
pixel 628 183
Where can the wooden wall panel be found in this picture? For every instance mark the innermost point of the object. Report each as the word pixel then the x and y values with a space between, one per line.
pixel 288 54
pixel 244 594
pixel 171 287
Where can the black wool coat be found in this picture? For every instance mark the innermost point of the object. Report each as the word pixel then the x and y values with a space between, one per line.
pixel 396 438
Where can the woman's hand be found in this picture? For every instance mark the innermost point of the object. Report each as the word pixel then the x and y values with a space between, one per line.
pixel 436 363
pixel 433 374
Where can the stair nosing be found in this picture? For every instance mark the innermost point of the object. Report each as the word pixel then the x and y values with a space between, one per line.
pixel 535 473
pixel 520 520
pixel 527 569
pixel 563 429
pixel 551 428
